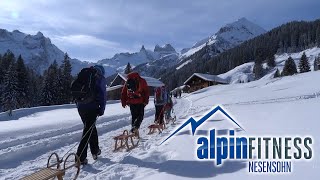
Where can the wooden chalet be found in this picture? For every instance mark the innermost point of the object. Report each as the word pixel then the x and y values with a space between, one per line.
pixel 115 88
pixel 198 81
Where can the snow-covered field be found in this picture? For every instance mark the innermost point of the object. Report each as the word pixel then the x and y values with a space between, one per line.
pixel 282 106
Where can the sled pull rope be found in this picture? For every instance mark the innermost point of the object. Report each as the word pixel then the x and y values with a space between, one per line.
pixel 90 129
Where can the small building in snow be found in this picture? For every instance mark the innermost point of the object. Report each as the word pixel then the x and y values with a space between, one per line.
pixel 198 81
pixel 115 88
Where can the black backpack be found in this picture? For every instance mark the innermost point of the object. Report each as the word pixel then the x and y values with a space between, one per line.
pixel 132 86
pixel 83 87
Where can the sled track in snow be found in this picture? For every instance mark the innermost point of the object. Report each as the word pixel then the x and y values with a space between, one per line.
pixel 196 111
pixel 24 149
pixel 277 100
pixel 53 133
pixel 23 156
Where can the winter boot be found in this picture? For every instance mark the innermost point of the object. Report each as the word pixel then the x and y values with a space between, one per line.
pixel 95 156
pixel 132 129
pixel 84 162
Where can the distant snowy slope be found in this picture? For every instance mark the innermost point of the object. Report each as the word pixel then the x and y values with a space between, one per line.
pixel 244 72
pixel 156 67
pixel 311 53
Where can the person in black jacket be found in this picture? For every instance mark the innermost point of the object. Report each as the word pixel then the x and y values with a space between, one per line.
pixel 89 112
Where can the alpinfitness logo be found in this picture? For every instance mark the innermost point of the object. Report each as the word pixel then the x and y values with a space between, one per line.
pixel 264 154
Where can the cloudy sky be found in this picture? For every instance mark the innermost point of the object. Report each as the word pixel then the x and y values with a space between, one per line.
pixel 97 29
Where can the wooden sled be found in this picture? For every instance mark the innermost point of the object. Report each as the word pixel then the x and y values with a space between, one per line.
pixel 122 141
pixel 53 170
pixel 154 127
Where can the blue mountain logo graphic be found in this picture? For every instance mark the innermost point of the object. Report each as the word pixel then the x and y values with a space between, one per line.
pixel 195 124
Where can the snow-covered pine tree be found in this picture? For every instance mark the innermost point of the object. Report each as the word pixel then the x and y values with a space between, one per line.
pixel 9 95
pixel 316 64
pixel 271 61
pixel 23 83
pixel 35 88
pixel 50 87
pixel 1 79
pixel 46 93
pixel 304 64
pixel 318 36
pixel 1 71
pixel 258 69
pixel 290 67
pixel 7 59
pixel 66 79
pixel 276 74
pixel 57 84
pixel 60 89
pixel 128 69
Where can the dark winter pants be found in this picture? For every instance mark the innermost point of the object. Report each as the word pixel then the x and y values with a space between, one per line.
pixel 159 113
pixel 168 113
pixel 137 113
pixel 88 118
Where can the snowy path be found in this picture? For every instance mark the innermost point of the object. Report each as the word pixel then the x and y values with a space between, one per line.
pixel 286 106
pixel 24 154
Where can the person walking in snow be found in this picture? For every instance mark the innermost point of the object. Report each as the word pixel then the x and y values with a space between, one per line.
pixel 90 104
pixel 160 100
pixel 168 107
pixel 135 94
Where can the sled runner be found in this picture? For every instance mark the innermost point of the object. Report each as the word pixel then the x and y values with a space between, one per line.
pixel 154 127
pixel 122 141
pixel 169 114
pixel 172 119
pixel 53 169
pixel 157 125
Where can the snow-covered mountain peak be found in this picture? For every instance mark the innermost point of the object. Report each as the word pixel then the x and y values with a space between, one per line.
pixel 16 31
pixel 239 31
pixel 4 35
pixel 164 48
pixel 3 31
pixel 142 49
pixel 161 55
pixel 227 37
pixel 39 34
pixel 240 22
pixel 157 47
pixel 37 50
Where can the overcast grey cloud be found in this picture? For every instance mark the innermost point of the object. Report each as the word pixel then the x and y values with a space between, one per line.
pixel 96 29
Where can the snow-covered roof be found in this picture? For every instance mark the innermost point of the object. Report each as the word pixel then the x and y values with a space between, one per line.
pixel 153 82
pixel 207 77
pixel 114 87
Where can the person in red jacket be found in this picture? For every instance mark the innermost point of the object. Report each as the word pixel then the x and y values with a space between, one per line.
pixel 135 94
